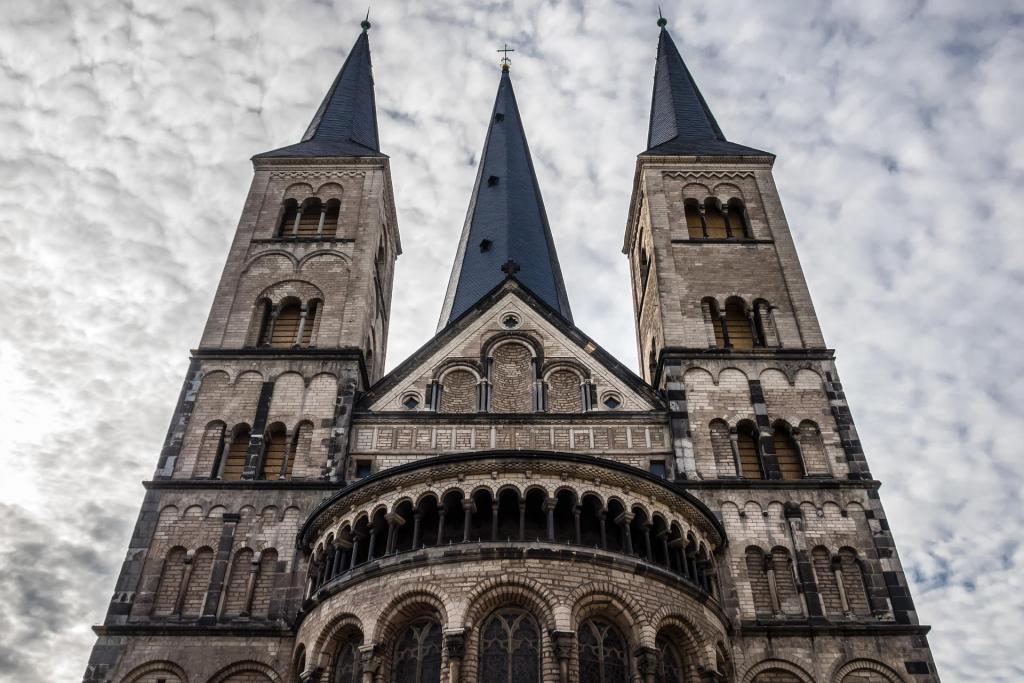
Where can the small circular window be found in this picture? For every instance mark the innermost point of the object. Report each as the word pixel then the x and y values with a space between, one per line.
pixel 510 321
pixel 411 402
pixel 611 401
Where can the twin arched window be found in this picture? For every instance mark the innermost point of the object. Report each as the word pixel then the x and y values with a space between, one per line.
pixel 311 219
pixel 714 221
pixel 749 452
pixel 289 324
pixel 738 326
pixel 277 460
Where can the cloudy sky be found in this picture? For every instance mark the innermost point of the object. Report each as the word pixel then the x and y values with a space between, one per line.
pixel 127 126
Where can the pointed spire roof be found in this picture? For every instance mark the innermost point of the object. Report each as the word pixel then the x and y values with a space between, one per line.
pixel 681 121
pixel 345 125
pixel 506 233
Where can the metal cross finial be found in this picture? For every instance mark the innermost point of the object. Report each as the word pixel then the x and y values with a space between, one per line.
pixel 505 61
pixel 510 267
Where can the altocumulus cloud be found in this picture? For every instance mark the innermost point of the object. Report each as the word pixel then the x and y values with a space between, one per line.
pixel 126 128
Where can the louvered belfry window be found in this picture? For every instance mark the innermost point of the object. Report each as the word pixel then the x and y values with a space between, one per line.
pixel 694 223
pixel 603 653
pixel 510 648
pixel 715 220
pixel 750 459
pixel 738 325
pixel 418 653
pixel 234 465
pixel 787 454
pixel 273 452
pixel 309 223
pixel 286 327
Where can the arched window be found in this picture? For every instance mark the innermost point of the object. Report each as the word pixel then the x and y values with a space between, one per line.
pixel 750 456
pixel 758 577
pixel 238 581
pixel 170 582
pixel 418 653
pixel 309 224
pixel 312 310
pixel 737 217
pixel 289 213
pixel 764 324
pixel 786 453
pixel 738 325
pixel 825 578
pixel 211 449
pixel 510 648
pixel 331 216
pixel 264 313
pixel 713 321
pixel 273 452
pixel 671 667
pixel 348 666
pixel 266 577
pixel 286 327
pixel 853 582
pixel 722 448
pixel 785 582
pixel 198 583
pixel 715 220
pixel 603 653
pixel 234 464
pixel 645 268
pixel 694 223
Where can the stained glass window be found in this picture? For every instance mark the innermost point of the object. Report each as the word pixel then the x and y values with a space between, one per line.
pixel 671 668
pixel 510 648
pixel 603 653
pixel 418 653
pixel 348 666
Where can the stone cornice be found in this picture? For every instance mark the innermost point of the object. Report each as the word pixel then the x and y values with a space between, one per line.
pixel 810 630
pixel 275 629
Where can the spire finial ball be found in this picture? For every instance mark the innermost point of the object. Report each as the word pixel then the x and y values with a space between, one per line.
pixel 662 21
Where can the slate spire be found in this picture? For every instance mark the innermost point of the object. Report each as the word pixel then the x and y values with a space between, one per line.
pixel 345 125
pixel 506 232
pixel 681 121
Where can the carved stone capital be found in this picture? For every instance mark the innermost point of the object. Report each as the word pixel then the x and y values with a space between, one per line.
pixel 455 643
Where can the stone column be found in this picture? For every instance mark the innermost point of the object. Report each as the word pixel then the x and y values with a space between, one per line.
pixel 323 218
pixel 220 567
pixel 303 312
pixel 417 519
pixel 549 507
pixel 563 642
pixel 394 523
pixel 469 508
pixel 494 520
pixel 440 524
pixel 576 512
pixel 623 521
pixel 647 660
pixel 455 647
pixel 522 520
pixel 371 661
pixel 602 517
pixel 250 585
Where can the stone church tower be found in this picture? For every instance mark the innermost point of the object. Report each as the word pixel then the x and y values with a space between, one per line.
pixel 511 503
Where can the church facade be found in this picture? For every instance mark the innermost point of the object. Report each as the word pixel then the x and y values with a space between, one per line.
pixel 511 503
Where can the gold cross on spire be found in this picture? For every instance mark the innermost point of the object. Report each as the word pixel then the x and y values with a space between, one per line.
pixel 505 61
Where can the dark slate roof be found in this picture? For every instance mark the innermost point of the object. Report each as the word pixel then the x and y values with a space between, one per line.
pixel 506 221
pixel 345 125
pixel 681 121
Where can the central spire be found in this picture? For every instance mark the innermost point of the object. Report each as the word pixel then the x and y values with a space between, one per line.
pixel 506 234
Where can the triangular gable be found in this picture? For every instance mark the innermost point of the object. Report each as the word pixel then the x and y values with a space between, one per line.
pixel 464 339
